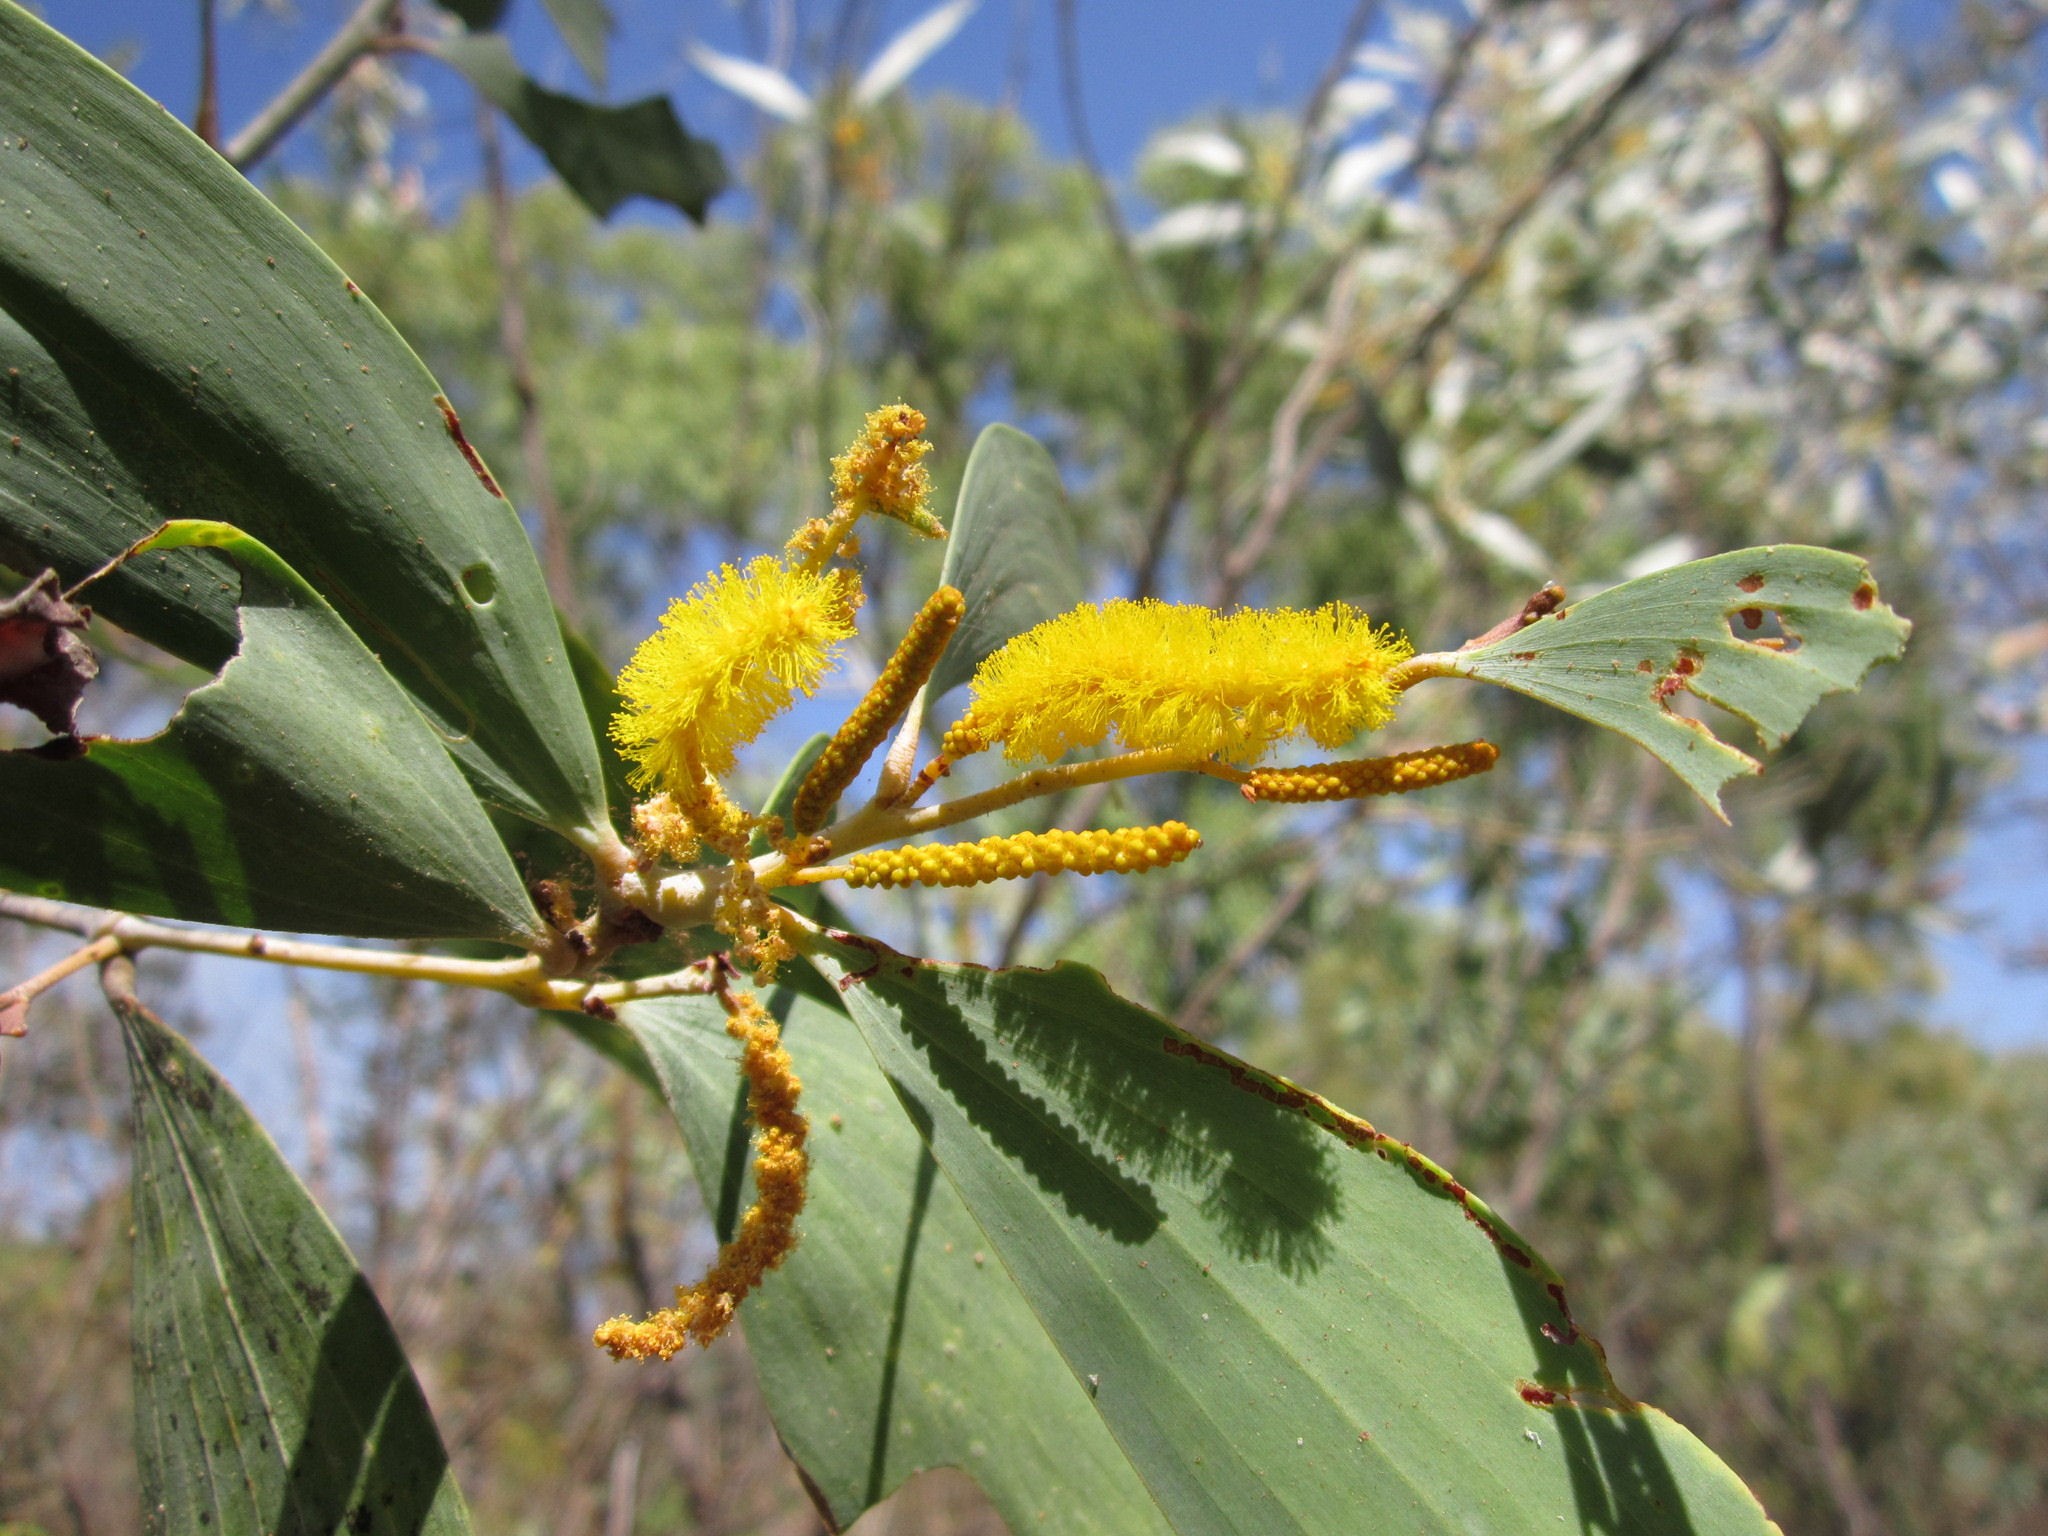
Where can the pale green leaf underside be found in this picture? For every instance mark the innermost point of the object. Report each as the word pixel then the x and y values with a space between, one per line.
pixel 1011 550
pixel 183 350
pixel 299 790
pixel 892 1340
pixel 270 1392
pixel 1626 657
pixel 1288 1322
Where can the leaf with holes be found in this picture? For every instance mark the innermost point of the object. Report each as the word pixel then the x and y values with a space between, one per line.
pixel 179 347
pixel 1623 658
pixel 1011 550
pixel 270 1392
pixel 605 154
pixel 1287 1320
pixel 298 790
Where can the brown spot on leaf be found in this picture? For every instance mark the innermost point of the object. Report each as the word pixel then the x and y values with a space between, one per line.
pixel 1752 618
pixel 1863 597
pixel 454 425
pixel 1753 582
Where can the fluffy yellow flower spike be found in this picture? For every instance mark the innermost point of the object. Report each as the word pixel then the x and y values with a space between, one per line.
pixel 1176 676
pixel 1396 775
pixel 1125 851
pixel 767 1233
pixel 883 471
pixel 726 660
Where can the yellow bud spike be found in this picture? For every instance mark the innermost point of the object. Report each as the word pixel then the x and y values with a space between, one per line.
pixel 767 1232
pixel 963 738
pixel 1396 775
pixel 1125 850
pixel 878 714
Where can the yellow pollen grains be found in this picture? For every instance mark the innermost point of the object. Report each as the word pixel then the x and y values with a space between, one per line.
pixel 1126 850
pixel 879 712
pixel 883 471
pixel 767 1233
pixel 1184 678
pixel 726 660
pixel 1396 775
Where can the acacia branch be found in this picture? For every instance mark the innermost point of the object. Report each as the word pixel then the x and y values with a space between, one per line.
pixel 523 980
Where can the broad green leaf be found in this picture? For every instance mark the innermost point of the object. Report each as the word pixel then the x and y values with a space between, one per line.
pixel 586 26
pixel 1622 658
pixel 228 369
pixel 605 154
pixel 1011 550
pixel 270 1392
pixel 892 1340
pixel 298 790
pixel 68 501
pixel 1288 1321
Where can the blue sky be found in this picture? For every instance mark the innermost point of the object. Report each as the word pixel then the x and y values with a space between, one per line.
pixel 1145 62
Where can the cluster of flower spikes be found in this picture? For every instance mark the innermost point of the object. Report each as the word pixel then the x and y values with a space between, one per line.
pixel 728 658
pixel 1124 851
pixel 1181 677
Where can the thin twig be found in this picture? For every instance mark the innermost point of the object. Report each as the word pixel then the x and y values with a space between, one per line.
pixel 523 980
pixel 1448 85
pixel 1248 344
pixel 356 37
pixel 206 120
pixel 15 1000
pixel 558 562
pixel 1066 37
pixel 1561 161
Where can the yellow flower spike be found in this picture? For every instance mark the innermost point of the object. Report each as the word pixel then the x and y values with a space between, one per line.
pixel 1126 850
pixel 1397 775
pixel 883 471
pixel 880 711
pixel 1185 678
pixel 767 1233
pixel 726 660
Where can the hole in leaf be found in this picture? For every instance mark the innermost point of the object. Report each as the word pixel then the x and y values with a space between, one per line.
pixel 1761 626
pixel 480 584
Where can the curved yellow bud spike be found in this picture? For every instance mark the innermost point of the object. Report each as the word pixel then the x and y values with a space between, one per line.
pixel 963 738
pixel 1124 851
pixel 878 713
pixel 767 1233
pixel 1396 775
